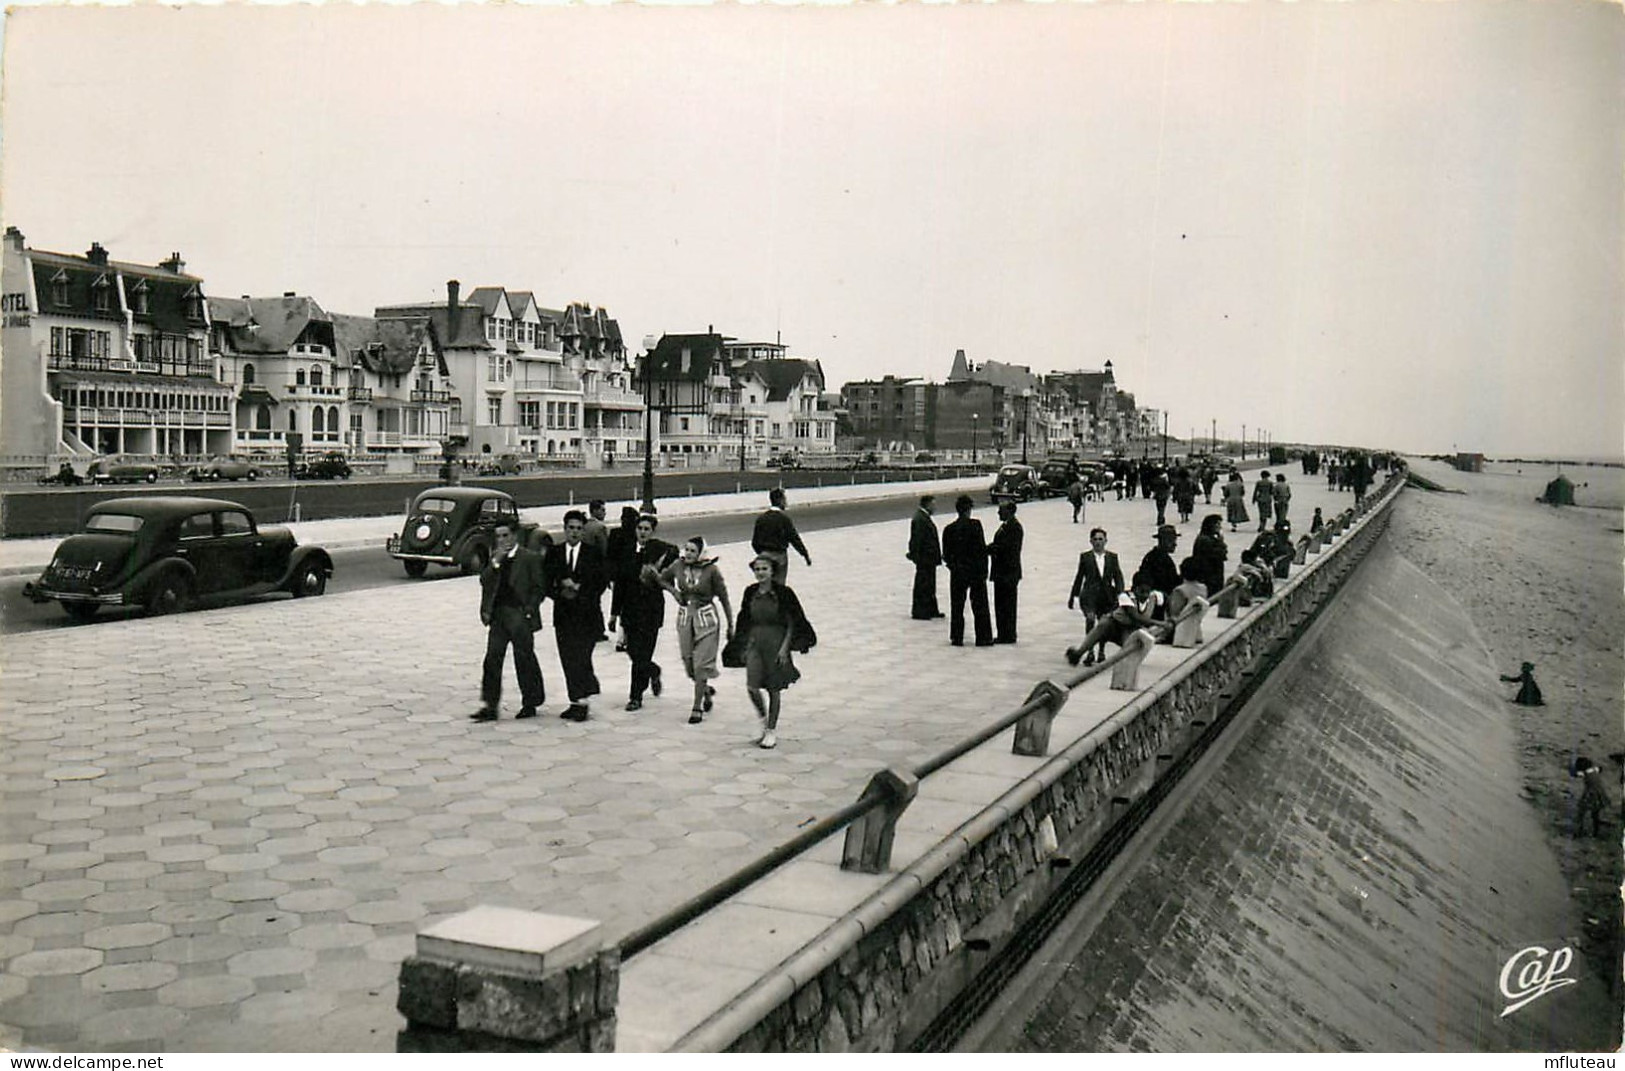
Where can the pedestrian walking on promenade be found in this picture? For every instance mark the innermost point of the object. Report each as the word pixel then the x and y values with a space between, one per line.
pixel 1264 499
pixel 1074 495
pixel 576 579
pixel 1136 609
pixel 1235 500
pixel 1283 496
pixel 512 587
pixel 1098 582
pixel 1210 552
pixel 1161 487
pixel 1004 569
pixel 964 551
pixel 771 625
pixel 1210 479
pixel 642 606
pixel 596 533
pixel 925 551
pixel 1158 564
pixel 775 533
pixel 620 563
pixel 1360 477
pixel 1184 493
pixel 697 584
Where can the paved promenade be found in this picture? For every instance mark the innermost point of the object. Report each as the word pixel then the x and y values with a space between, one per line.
pixel 221 831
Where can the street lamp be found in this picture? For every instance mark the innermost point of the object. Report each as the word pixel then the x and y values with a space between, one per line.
pixel 1026 404
pixel 973 419
pixel 649 344
pixel 742 438
pixel 1165 437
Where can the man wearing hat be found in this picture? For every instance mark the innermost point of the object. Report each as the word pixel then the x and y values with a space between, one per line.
pixel 1158 564
pixel 964 552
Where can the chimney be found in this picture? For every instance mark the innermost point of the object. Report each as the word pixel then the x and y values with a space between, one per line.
pixel 14 239
pixel 289 293
pixel 174 264
pixel 96 254
pixel 452 287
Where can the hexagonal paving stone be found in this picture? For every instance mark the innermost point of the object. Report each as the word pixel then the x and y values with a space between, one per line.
pixel 189 911
pixel 331 935
pixel 57 924
pixel 125 870
pixel 127 935
pixel 206 991
pixel 234 836
pixel 203 948
pixel 67 890
pixel 352 855
pixel 271 962
pixel 124 843
pixel 15 851
pixel 129 976
pixel 300 1006
pixel 125 902
pixel 240 863
pixel 249 890
pixel 52 861
pixel 387 912
pixel 281 820
pixel 127 1025
pixel 14 944
pixel 183 852
pixel 312 901
pixel 55 961
pixel 290 847
pixel 260 924
pixel 458 847
pixel 14 910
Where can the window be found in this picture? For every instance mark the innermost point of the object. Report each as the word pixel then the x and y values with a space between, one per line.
pixel 575 417
pixel 299 377
pixel 684 423
pixel 235 523
pixel 143 303
pixel 59 288
pixel 102 292
pixel 491 368
pixel 194 304
pixel 315 375
pixel 197 526
pixel 493 410
pixel 332 422
pixel 293 420
pixel 318 422
pixel 248 374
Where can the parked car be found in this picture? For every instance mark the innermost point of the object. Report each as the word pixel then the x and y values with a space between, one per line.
pixel 870 460
pixel 1018 483
pixel 64 476
pixel 164 553
pixel 787 460
pixel 456 526
pixel 330 466
pixel 225 468
pixel 506 465
pixel 124 470
pixel 1058 473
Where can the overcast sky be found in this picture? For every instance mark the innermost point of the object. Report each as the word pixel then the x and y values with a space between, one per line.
pixel 1365 222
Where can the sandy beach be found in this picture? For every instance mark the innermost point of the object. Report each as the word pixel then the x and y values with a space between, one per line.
pixel 1543 585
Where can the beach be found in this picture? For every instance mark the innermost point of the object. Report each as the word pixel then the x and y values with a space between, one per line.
pixel 1544 585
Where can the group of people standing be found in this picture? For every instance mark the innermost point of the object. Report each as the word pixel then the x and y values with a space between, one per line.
pixel 972 561
pixel 641 571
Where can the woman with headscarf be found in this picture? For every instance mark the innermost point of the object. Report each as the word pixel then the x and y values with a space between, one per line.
pixel 772 622
pixel 697 584
pixel 1235 500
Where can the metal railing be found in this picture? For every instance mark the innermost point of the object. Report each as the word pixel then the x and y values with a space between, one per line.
pixel 875 797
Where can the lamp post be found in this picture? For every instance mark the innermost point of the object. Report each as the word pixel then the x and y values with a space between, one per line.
pixel 1244 442
pixel 649 344
pixel 742 423
pixel 1165 437
pixel 1026 404
pixel 973 419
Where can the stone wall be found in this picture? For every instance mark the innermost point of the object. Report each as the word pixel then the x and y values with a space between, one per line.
pixel 976 891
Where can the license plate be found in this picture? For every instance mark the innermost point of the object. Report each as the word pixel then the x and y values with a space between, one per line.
pixel 74 572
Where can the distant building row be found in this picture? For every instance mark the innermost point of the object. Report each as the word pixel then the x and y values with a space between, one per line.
pixel 995 406
pixel 107 357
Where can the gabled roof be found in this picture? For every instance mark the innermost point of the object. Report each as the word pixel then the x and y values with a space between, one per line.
pixel 1015 377
pixel 784 374
pixel 960 369
pixel 273 325
pixel 687 357
pixel 490 299
pixel 519 301
pixel 468 335
pixel 352 336
pixel 77 280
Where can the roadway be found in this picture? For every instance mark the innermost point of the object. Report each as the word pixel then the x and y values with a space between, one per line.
pixel 363 568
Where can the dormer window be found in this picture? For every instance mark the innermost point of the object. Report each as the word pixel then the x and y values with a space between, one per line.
pixel 59 288
pixel 101 292
pixel 248 373
pixel 194 305
pixel 143 299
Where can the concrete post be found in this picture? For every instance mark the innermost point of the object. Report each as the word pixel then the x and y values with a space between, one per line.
pixel 1126 671
pixel 1229 598
pixel 1188 626
pixel 1032 732
pixel 1302 554
pixel 497 979
pixel 869 839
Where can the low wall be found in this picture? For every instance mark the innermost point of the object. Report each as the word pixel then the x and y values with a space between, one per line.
pixel 881 975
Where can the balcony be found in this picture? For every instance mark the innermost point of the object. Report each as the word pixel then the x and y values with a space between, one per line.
pixel 306 390
pixel 431 397
pixel 63 362
pixel 611 398
pixel 361 394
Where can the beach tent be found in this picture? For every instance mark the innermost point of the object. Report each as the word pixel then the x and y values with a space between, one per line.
pixel 1560 492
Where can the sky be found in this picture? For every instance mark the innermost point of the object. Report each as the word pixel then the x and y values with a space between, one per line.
pixel 1387 223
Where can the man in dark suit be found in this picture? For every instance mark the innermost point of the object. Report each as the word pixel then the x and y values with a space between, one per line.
pixel 642 605
pixel 775 533
pixel 1098 582
pixel 512 586
pixel 1004 568
pixel 964 551
pixel 1158 564
pixel 925 551
pixel 575 572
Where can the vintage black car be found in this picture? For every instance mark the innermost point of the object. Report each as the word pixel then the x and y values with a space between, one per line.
pixel 1018 483
pixel 456 526
pixel 124 470
pixel 330 466
pixel 165 553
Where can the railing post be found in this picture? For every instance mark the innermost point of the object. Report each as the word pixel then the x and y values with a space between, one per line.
pixel 1126 671
pixel 1283 566
pixel 1188 626
pixel 1230 598
pixel 1302 554
pixel 1032 732
pixel 869 838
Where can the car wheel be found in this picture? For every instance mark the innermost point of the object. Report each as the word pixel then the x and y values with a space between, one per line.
pixel 170 595
pixel 415 568
pixel 81 611
pixel 215 475
pixel 311 580
pixel 476 560
pixel 152 477
pixel 253 474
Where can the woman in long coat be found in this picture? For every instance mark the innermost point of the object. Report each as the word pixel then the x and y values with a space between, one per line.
pixel 1235 500
pixel 772 622
pixel 1210 553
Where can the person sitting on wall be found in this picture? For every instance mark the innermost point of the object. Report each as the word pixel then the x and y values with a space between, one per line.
pixel 1133 612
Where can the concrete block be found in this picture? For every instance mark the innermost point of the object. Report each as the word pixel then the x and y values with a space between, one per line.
pixel 511 941
pixel 1126 672
pixel 427 993
pixel 868 842
pixel 1188 628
